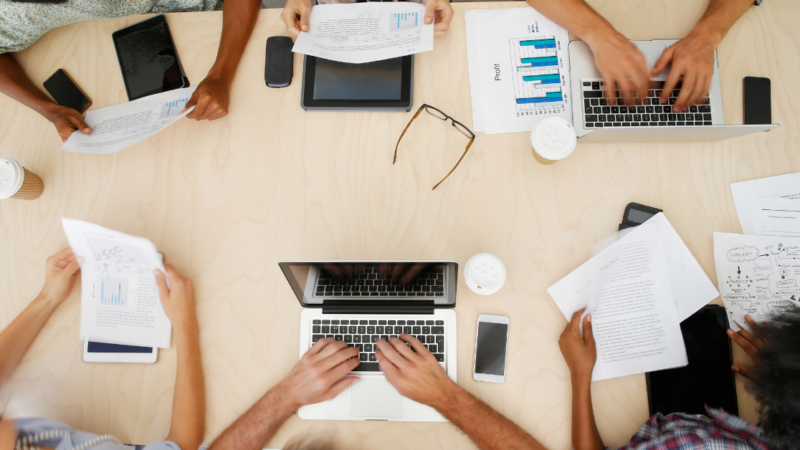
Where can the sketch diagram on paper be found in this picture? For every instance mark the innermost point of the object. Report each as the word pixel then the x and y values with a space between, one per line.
pixel 757 275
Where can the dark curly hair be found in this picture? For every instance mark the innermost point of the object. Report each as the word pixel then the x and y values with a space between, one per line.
pixel 778 373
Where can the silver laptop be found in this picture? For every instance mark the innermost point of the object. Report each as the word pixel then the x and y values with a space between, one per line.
pixel 597 121
pixel 359 302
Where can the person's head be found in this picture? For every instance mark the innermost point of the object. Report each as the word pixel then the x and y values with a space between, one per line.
pixel 777 378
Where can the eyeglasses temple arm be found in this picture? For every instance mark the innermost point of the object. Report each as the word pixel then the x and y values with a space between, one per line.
pixel 404 133
pixel 459 162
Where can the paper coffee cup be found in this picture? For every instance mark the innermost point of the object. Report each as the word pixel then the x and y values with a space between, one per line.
pixel 485 274
pixel 553 139
pixel 18 182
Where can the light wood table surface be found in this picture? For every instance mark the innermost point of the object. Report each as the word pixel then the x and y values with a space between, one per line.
pixel 226 200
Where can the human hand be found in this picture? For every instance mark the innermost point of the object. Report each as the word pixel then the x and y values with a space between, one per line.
pixel 750 343
pixel 693 58
pixel 320 373
pixel 61 270
pixel 210 99
pixel 295 15
pixel 177 299
pixel 580 352
pixel 621 65
pixel 67 121
pixel 417 376
pixel 441 13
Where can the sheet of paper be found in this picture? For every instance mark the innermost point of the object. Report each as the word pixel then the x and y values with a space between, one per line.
pixel 757 275
pixel 120 126
pixel 365 32
pixel 785 186
pixel 690 285
pixel 474 65
pixel 776 217
pixel 628 291
pixel 120 303
pixel 523 69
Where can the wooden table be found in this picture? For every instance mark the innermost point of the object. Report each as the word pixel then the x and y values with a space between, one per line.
pixel 227 200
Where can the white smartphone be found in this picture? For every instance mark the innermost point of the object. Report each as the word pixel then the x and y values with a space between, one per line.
pixel 491 343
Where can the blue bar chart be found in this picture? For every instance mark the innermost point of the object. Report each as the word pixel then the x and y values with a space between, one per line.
pixel 173 108
pixel 114 292
pixel 403 21
pixel 537 75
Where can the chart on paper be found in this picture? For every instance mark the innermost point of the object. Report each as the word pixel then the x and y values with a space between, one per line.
pixel 401 21
pixel 114 292
pixel 171 109
pixel 536 70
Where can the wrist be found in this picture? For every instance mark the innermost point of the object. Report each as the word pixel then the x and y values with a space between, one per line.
pixel 221 71
pixel 186 328
pixel 581 381
pixel 46 300
pixel 281 400
pixel 450 399
pixel 597 33
pixel 50 110
pixel 712 35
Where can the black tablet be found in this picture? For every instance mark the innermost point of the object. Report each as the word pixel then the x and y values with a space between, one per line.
pixel 377 86
pixel 708 379
pixel 148 59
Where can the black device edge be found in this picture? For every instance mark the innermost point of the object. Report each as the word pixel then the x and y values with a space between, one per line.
pixel 114 35
pixel 267 61
pixel 638 206
pixel 749 119
pixel 53 94
pixel 406 101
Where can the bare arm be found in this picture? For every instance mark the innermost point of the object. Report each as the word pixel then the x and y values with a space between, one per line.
pixel 16 84
pixel 188 403
pixel 418 376
pixel 212 95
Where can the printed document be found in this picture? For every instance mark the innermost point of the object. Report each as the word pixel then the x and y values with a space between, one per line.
pixel 359 33
pixel 628 291
pixel 757 275
pixel 775 216
pixel 518 69
pixel 120 302
pixel 120 126
pixel 785 186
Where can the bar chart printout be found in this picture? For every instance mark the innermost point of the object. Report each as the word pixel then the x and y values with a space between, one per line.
pixel 114 292
pixel 538 84
pixel 401 21
pixel 173 108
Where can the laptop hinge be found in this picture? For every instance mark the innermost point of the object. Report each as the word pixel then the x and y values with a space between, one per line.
pixel 383 307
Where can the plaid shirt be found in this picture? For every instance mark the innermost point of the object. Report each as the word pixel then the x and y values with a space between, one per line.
pixel 681 431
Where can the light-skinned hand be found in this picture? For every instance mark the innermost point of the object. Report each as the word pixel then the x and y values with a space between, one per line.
pixel 440 13
pixel 67 121
pixel 580 352
pixel 693 59
pixel 416 375
pixel 620 64
pixel 177 299
pixel 61 270
pixel 295 15
pixel 320 373
pixel 750 343
pixel 210 99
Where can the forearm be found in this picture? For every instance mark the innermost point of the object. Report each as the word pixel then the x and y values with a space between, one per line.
pixel 720 17
pixel 576 16
pixel 584 430
pixel 259 424
pixel 19 335
pixel 188 404
pixel 16 84
pixel 238 19
pixel 484 426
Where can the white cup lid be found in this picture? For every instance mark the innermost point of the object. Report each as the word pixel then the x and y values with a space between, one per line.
pixel 485 274
pixel 554 138
pixel 11 177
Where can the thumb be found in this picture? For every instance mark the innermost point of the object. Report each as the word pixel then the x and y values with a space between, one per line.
pixel 71 268
pixel 662 62
pixel 430 14
pixel 192 102
pixel 161 281
pixel 587 330
pixel 744 371
pixel 81 126
pixel 304 13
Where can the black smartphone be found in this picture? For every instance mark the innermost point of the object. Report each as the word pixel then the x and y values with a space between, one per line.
pixel 278 65
pixel 66 92
pixel 637 214
pixel 757 101
pixel 708 379
pixel 148 59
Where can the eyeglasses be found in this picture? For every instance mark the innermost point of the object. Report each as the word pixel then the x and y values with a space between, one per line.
pixel 440 115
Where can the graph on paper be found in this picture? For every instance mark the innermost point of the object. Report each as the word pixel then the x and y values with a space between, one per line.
pixel 402 21
pixel 114 292
pixel 173 108
pixel 536 70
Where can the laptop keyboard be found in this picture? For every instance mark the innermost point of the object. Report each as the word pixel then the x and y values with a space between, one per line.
pixel 646 112
pixel 364 333
pixel 367 281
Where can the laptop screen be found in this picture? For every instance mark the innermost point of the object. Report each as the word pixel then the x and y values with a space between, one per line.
pixel 313 282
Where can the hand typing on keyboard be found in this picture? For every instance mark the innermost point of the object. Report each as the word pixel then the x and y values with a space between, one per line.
pixel 621 64
pixel 320 374
pixel 693 59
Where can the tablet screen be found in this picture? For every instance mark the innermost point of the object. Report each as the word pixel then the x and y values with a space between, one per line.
pixel 380 80
pixel 99 347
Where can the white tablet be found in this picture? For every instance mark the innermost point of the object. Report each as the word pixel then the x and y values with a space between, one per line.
pixel 97 352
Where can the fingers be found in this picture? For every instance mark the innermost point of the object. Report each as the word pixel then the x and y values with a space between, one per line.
pixel 402 348
pixel 748 348
pixel 430 13
pixel 672 80
pixel 331 348
pixel 386 366
pixel 289 18
pixel 413 272
pixel 344 367
pixel 574 323
pixel 687 91
pixel 611 89
pixel 417 346
pixel 330 363
pixel 81 125
pixel 318 346
pixel 397 271
pixel 663 61
pixel 391 353
pixel 161 281
pixel 339 386
pixel 626 89
pixel 72 268
pixel 588 335
pixel 203 108
pixel 65 253
pixel 744 371
pixel 192 101
pixel 751 338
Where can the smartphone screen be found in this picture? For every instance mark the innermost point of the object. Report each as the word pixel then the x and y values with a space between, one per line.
pixel 490 353
pixel 99 347
pixel 757 101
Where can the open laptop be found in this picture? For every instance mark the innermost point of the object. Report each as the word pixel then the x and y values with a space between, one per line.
pixel 359 302
pixel 597 121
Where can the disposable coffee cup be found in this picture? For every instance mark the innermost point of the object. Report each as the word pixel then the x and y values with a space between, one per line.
pixel 553 139
pixel 485 274
pixel 18 182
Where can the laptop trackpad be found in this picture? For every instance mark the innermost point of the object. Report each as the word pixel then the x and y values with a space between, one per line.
pixel 375 397
pixel 652 53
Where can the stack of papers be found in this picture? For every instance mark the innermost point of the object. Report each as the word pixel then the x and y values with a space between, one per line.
pixel 769 206
pixel 518 69
pixel 638 290
pixel 120 302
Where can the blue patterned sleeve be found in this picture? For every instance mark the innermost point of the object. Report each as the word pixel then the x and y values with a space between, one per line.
pixel 162 445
